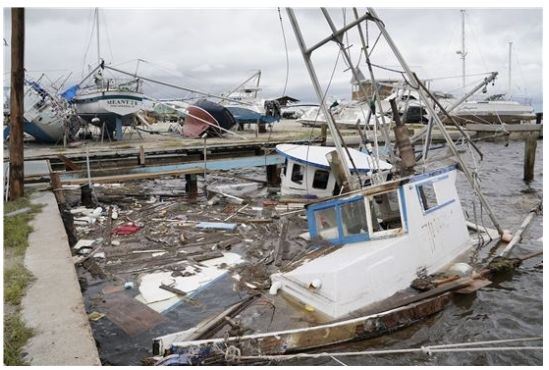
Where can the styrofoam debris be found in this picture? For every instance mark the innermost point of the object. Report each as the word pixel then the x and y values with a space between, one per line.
pixel 99 255
pixel 83 243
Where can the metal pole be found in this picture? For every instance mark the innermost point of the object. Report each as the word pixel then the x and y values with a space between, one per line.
pixel 17 106
pixel 451 145
pixel 316 85
pixel 509 82
pixel 97 28
pixel 463 52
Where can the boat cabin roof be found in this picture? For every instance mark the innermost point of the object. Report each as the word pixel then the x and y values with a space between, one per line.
pixel 315 156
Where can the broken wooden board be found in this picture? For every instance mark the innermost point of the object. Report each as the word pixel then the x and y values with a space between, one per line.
pixel 295 340
pixel 474 286
pixel 130 315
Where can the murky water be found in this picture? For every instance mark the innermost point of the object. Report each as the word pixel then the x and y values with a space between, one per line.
pixel 510 308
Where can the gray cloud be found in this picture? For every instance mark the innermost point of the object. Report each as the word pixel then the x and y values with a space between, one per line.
pixel 215 49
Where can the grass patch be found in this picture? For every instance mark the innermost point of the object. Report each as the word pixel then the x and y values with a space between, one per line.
pixel 16 335
pixel 16 278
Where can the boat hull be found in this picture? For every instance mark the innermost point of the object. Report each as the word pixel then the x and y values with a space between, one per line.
pixel 207 117
pixel 108 105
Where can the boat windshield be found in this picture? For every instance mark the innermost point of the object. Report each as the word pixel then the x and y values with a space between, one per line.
pixel 356 219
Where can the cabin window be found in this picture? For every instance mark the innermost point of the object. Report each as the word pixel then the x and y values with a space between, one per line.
pixel 326 223
pixel 427 196
pixel 353 218
pixel 320 180
pixel 385 212
pixel 297 173
pixel 285 166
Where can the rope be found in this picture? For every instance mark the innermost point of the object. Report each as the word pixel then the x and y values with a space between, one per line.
pixel 232 353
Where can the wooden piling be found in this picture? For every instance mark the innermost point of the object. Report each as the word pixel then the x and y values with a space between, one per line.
pixel 323 134
pixel 191 184
pixel 261 128
pixel 16 174
pixel 273 175
pixel 530 145
pixel 141 159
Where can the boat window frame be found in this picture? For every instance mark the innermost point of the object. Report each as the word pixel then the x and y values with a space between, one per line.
pixel 337 203
pixel 403 229
pixel 315 178
pixel 303 168
pixel 440 204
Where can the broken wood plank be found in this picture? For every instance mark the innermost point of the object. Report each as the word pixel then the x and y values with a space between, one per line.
pixel 69 165
pixel 133 176
pixel 161 344
pixel 172 290
pixel 130 315
pixel 474 286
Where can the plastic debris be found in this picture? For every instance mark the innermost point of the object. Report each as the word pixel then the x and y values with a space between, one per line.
pixel 216 225
pixel 94 316
pixel 126 229
pixel 82 243
pixel 128 285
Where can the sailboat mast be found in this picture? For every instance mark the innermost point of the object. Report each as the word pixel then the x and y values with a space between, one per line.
pixel 509 82
pixel 462 52
pixel 97 29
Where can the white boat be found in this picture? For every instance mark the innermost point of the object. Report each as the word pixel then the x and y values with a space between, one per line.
pixel 495 110
pixel 246 107
pixel 307 171
pixel 387 236
pixel 47 118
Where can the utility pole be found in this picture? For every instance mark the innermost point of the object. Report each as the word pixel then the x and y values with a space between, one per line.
pixel 16 175
pixel 462 52
pixel 509 82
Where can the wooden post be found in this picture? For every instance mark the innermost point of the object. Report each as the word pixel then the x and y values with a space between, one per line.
pixel 530 145
pixel 57 188
pixel 16 189
pixel 141 159
pixel 191 184
pixel 403 143
pixel 273 176
pixel 323 134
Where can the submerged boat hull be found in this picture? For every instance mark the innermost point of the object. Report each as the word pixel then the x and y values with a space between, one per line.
pixel 372 266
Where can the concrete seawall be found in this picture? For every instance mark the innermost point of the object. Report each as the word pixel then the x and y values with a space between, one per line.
pixel 53 305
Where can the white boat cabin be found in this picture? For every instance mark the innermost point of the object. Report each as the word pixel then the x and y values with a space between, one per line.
pixel 307 171
pixel 387 234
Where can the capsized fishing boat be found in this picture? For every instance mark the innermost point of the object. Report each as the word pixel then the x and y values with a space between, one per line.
pixel 367 249
pixel 207 117
pixel 47 118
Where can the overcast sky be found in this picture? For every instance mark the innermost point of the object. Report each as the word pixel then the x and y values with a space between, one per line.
pixel 216 49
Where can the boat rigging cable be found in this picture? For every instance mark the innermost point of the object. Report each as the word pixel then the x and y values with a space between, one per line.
pixel 233 353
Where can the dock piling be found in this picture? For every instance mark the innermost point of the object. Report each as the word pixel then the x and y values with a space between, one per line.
pixel 273 176
pixel 530 145
pixel 191 184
